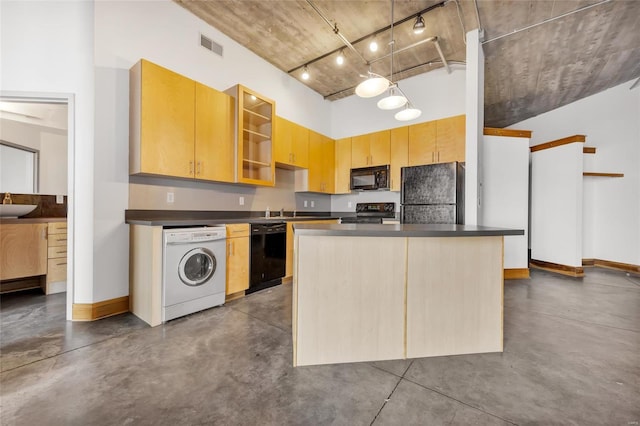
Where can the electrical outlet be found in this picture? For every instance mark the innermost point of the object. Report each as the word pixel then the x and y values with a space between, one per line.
pixel 349 204
pixel 170 197
pixel 59 199
pixel 313 203
pixel 241 201
pixel 305 203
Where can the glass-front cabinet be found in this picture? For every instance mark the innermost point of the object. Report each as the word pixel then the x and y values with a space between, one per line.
pixel 256 164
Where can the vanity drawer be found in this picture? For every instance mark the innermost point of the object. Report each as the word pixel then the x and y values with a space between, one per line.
pixel 56 252
pixel 57 240
pixel 57 228
pixel 56 270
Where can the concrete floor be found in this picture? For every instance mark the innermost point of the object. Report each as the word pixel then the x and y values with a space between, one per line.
pixel 572 356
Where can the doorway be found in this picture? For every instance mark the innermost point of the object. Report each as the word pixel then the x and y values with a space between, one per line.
pixel 51 114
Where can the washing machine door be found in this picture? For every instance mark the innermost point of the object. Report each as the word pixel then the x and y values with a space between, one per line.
pixel 197 266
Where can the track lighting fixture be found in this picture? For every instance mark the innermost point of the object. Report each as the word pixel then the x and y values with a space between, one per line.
pixel 418 26
pixel 373 46
pixel 340 58
pixel 305 73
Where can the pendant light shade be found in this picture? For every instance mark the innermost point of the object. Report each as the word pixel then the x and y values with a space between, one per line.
pixel 373 86
pixel 408 113
pixel 393 101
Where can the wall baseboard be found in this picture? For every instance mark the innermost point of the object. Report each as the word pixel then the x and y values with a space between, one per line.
pixel 516 274
pixel 572 271
pixel 627 267
pixel 98 310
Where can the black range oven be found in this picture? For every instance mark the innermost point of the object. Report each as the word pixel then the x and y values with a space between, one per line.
pixel 371 213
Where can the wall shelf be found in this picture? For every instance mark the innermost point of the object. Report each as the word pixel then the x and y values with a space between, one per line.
pixel 595 174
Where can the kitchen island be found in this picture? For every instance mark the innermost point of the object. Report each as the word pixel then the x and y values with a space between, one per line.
pixel 379 292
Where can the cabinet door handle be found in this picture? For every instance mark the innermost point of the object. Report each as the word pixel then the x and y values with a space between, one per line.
pixel 190 167
pixel 199 167
pixel 60 264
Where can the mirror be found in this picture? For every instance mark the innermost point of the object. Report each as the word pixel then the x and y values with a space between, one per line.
pixel 33 147
pixel 18 169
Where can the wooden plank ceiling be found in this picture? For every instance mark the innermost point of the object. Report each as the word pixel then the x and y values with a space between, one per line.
pixel 539 55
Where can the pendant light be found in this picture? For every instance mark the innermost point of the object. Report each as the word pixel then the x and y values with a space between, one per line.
pixel 396 98
pixel 305 73
pixel 408 113
pixel 373 86
pixel 340 58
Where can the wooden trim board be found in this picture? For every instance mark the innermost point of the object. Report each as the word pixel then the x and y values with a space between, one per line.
pixel 558 142
pixel 106 308
pixel 516 274
pixel 609 264
pixel 603 174
pixel 493 131
pixel 572 271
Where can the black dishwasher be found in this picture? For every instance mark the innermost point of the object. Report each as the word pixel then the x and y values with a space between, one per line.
pixel 268 255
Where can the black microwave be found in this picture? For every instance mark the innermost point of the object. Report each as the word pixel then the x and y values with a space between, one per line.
pixel 370 178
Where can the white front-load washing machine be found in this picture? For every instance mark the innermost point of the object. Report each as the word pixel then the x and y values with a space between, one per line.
pixel 194 270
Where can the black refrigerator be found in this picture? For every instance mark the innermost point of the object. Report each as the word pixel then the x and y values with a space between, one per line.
pixel 433 193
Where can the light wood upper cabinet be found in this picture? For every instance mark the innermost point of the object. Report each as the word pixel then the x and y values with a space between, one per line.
pixel 214 135
pixel 372 149
pixel 162 111
pixel 422 143
pixel 343 166
pixel 399 154
pixel 179 127
pixel 256 164
pixel 450 137
pixel 237 258
pixel 291 144
pixel 439 141
pixel 23 250
pixel 321 175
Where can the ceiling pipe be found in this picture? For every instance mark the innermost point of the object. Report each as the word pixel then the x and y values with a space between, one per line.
pixel 350 44
pixel 444 60
pixel 336 32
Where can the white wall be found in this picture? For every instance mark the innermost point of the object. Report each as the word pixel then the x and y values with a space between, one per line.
pixel 556 205
pixel 48 47
pixel 611 122
pixel 505 193
pixel 436 93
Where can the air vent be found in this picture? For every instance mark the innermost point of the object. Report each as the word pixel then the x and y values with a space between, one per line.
pixel 211 45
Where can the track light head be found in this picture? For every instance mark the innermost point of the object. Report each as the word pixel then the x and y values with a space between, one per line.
pixel 418 26
pixel 305 73
pixel 373 46
pixel 340 58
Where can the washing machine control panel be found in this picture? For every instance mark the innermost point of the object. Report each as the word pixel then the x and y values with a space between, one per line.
pixel 195 234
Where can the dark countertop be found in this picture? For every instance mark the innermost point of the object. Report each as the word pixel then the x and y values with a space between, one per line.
pixel 406 230
pixel 177 218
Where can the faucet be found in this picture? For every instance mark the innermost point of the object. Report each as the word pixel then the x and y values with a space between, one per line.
pixel 7 199
pixel 282 212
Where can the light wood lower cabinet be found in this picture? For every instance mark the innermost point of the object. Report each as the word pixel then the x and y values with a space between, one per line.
pixel 23 250
pixel 56 281
pixel 238 256
pixel 289 262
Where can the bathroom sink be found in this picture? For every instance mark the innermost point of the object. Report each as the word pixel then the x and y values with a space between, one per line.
pixel 16 210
